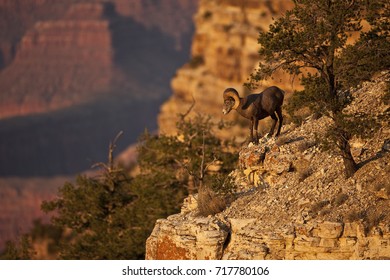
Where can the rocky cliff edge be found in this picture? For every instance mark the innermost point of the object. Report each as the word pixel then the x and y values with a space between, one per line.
pixel 296 203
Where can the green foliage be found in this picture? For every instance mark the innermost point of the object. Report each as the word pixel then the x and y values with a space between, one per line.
pixel 111 215
pixel 370 53
pixel 51 234
pixel 184 161
pixel 96 212
pixel 308 36
pixel 21 250
pixel 311 41
pixel 313 35
pixel 314 96
pixel 175 157
pixel 345 127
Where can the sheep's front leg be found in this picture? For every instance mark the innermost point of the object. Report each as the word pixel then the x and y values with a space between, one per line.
pixel 256 131
pixel 274 120
pixel 251 130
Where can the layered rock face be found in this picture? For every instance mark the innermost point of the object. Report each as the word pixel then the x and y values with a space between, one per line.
pixel 293 201
pixel 17 16
pixel 59 62
pixel 74 54
pixel 224 53
pixel 60 53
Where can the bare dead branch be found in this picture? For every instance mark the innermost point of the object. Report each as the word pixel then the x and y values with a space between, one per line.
pixel 183 116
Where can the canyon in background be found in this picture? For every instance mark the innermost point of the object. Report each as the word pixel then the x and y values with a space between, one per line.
pixel 72 75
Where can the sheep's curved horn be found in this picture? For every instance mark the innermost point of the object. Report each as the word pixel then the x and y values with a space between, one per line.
pixel 232 93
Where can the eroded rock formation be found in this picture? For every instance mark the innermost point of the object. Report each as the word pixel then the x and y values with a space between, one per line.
pixel 224 54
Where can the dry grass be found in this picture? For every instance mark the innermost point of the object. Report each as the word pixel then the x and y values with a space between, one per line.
pixel 209 202
pixel 339 199
pixel 304 145
pixel 369 218
pixel 304 173
pixel 282 140
pixel 354 216
pixel 318 206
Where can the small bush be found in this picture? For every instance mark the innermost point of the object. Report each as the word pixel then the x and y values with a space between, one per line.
pixel 386 97
pixel 340 199
pixel 304 173
pixel 304 145
pixel 21 250
pixel 354 216
pixel 209 202
pixel 282 140
pixel 318 206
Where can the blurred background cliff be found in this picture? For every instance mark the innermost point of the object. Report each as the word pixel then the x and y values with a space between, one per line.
pixel 73 74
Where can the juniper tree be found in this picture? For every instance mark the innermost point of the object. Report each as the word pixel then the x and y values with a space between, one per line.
pixel 98 214
pixel 110 215
pixel 309 41
pixel 182 159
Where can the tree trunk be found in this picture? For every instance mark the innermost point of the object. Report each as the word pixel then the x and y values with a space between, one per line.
pixel 342 136
pixel 350 166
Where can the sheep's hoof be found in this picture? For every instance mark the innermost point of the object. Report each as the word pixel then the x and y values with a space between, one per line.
pixel 252 142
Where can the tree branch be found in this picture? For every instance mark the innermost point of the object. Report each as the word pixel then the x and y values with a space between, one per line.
pixel 183 116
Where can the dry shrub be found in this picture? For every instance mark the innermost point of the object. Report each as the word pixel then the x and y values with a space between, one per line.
pixel 317 207
pixel 209 202
pixel 340 199
pixel 304 145
pixel 354 216
pixel 377 186
pixel 304 173
pixel 369 218
pixel 325 212
pixel 303 168
pixel 281 140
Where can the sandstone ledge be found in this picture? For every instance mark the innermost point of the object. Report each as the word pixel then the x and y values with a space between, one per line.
pixel 188 237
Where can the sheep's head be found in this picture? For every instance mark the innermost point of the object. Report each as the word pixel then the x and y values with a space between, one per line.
pixel 231 100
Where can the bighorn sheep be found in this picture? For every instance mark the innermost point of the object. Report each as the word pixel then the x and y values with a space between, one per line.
pixel 256 107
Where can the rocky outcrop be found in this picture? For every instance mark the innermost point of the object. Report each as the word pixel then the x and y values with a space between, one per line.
pixel 184 237
pixel 192 237
pixel 293 201
pixel 224 53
